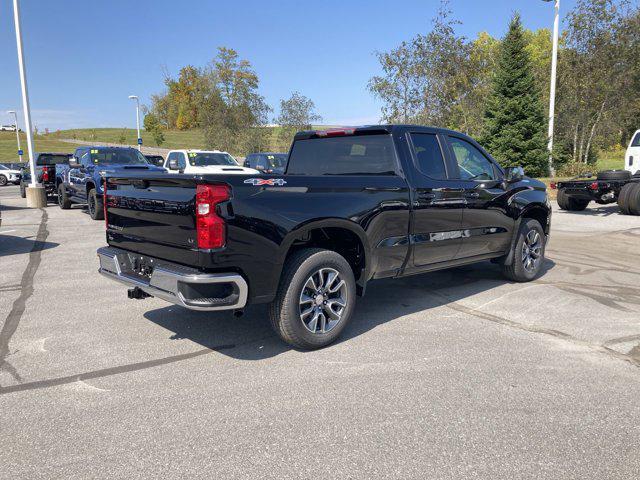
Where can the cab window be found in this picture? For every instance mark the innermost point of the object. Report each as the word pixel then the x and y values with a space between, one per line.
pixel 472 163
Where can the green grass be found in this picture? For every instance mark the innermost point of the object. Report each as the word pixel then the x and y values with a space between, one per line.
pixel 42 143
pixel 174 139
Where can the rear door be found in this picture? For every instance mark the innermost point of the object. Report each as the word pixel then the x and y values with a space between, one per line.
pixel 438 202
pixel 486 225
pixel 632 160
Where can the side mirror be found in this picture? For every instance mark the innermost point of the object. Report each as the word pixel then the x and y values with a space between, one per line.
pixel 73 162
pixel 513 174
pixel 173 164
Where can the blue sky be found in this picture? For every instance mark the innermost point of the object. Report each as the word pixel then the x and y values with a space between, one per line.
pixel 85 57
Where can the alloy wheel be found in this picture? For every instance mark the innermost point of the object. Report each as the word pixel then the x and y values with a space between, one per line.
pixel 323 300
pixel 532 251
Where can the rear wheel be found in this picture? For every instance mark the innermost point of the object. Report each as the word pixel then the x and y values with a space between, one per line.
pixel 23 190
pixel 3 180
pixel 95 205
pixel 63 200
pixel 528 252
pixel 315 299
pixel 623 198
pixel 565 202
pixel 634 199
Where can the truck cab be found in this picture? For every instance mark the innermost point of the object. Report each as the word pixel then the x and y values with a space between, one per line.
pixel 632 156
pixel 204 162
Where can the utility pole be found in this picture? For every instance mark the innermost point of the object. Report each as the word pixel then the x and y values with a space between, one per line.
pixel 552 93
pixel 36 195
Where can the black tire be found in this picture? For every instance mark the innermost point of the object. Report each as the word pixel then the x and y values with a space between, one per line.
pixel 63 200
pixel 634 199
pixel 614 175
pixel 623 198
pixel 565 202
pixel 286 312
pixel 23 190
pixel 3 180
pixel 94 205
pixel 520 270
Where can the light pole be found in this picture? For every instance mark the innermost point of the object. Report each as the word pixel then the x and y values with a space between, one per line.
pixel 36 195
pixel 135 97
pixel 552 93
pixel 15 116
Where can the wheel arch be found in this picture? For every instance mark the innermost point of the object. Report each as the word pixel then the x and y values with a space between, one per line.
pixel 342 236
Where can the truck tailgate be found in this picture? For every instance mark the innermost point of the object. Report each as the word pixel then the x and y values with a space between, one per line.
pixel 153 214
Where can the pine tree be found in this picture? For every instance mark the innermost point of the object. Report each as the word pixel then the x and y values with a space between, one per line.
pixel 514 118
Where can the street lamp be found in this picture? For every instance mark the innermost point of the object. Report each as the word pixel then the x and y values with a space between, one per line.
pixel 552 94
pixel 135 97
pixel 15 116
pixel 36 195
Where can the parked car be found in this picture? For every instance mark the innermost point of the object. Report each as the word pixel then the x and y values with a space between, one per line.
pixel 157 160
pixel 46 171
pixel 354 205
pixel 203 162
pixel 267 162
pixel 632 155
pixel 7 128
pixel 15 165
pixel 609 186
pixel 9 175
pixel 82 180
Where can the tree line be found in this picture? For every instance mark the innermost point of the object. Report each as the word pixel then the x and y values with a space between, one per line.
pixel 496 90
pixel 223 100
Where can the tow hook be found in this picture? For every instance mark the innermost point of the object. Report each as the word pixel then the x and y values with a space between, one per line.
pixel 137 293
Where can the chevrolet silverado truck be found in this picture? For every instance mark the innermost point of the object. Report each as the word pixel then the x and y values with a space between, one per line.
pixel 354 205
pixel 81 181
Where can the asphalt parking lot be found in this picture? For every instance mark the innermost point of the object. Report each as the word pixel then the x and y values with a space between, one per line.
pixel 457 374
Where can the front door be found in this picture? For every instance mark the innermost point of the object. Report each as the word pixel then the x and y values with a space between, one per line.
pixel 486 226
pixel 437 204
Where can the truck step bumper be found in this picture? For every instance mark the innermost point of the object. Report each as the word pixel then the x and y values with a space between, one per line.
pixel 174 283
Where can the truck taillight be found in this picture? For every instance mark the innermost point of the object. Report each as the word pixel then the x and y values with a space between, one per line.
pixel 553 185
pixel 45 174
pixel 210 228
pixel 104 204
pixel 594 186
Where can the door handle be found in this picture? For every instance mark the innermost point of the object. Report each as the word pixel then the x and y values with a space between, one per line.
pixel 472 195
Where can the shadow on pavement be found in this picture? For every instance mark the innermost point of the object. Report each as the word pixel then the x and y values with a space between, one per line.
pixel 250 337
pixel 12 245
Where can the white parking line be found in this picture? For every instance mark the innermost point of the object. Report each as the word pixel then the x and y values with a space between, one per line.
pixel 8 231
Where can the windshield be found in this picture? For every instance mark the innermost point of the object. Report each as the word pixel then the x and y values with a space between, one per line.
pixel 118 156
pixel 4 167
pixel 52 159
pixel 277 160
pixel 205 159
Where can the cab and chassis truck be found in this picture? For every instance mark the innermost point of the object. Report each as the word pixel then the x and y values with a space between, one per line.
pixel 354 205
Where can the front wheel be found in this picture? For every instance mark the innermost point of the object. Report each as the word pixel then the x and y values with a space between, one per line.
pixel 3 180
pixel 528 252
pixel 95 206
pixel 315 299
pixel 63 200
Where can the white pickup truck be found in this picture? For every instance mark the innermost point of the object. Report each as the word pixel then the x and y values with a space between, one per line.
pixel 204 162
pixel 632 156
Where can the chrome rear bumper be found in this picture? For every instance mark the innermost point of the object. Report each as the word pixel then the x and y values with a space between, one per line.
pixel 175 283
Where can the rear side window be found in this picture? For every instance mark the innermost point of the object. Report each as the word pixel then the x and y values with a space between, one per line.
pixel 429 155
pixel 636 140
pixel 53 159
pixel 349 155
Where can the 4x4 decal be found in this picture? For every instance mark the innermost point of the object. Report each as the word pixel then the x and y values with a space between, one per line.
pixel 266 181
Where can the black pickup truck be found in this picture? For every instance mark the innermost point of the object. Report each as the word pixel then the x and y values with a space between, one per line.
pixel 609 186
pixel 354 205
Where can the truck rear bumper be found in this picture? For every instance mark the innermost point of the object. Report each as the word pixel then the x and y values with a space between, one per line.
pixel 175 283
